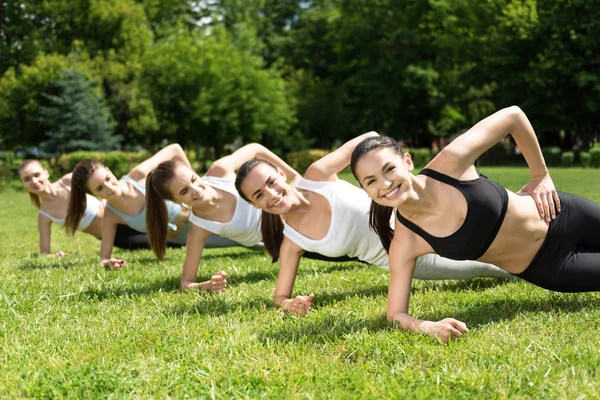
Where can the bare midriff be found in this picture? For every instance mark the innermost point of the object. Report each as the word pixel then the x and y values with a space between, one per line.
pixel 520 237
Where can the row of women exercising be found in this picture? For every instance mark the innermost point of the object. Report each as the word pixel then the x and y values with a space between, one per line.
pixel 446 222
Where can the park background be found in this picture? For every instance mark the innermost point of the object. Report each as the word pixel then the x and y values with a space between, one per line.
pixel 118 79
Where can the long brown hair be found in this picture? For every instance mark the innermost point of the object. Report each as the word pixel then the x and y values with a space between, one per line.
pixel 77 200
pixel 379 216
pixel 35 199
pixel 157 215
pixel 271 225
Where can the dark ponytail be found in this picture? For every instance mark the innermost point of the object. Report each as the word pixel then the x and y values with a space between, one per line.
pixel 77 199
pixel 379 222
pixel 271 225
pixel 157 215
pixel 379 216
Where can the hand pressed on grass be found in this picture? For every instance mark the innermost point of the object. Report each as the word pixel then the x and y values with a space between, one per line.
pixel 299 305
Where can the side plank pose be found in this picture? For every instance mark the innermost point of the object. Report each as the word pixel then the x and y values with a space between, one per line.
pixel 216 208
pixel 328 216
pixel 125 201
pixel 52 198
pixel 547 238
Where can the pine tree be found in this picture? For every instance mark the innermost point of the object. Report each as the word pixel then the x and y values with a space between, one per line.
pixel 77 117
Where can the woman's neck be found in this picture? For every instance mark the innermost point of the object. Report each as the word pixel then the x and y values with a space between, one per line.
pixel 299 204
pixel 421 200
pixel 49 193
pixel 128 195
pixel 215 204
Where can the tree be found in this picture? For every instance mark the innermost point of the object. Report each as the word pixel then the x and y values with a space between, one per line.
pixel 209 91
pixel 76 118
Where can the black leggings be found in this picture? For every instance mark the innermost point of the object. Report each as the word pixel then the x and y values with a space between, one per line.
pixel 129 239
pixel 569 259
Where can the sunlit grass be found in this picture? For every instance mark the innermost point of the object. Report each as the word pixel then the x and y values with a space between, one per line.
pixel 72 329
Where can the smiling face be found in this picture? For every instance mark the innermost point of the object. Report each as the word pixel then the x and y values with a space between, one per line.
pixel 187 187
pixel 34 177
pixel 102 183
pixel 267 189
pixel 385 176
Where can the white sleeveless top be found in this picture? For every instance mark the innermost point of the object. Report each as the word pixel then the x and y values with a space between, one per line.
pixel 90 211
pixel 243 228
pixel 349 232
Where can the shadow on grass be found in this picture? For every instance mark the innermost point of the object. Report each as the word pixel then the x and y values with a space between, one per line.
pixel 53 264
pixel 216 305
pixel 236 255
pixel 119 290
pixel 322 329
pixel 168 284
pixel 507 309
pixel 473 285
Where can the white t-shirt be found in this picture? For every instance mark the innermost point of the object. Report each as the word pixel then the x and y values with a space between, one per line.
pixel 349 232
pixel 243 228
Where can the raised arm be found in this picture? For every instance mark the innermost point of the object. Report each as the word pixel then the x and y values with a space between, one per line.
pixel 402 266
pixel 463 152
pixel 225 167
pixel 66 179
pixel 511 120
pixel 109 230
pixel 171 152
pixel 327 168
pixel 289 259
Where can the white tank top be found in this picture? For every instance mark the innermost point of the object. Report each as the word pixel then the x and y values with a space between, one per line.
pixel 243 228
pixel 349 232
pixel 90 211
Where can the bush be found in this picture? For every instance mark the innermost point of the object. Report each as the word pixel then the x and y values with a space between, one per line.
pixel 420 156
pixel 585 159
pixel 119 162
pixel 498 154
pixel 567 158
pixel 551 155
pixel 595 157
pixel 7 159
pixel 301 160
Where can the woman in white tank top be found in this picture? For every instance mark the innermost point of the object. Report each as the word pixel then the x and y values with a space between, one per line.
pixel 125 200
pixel 217 209
pixel 328 216
pixel 51 199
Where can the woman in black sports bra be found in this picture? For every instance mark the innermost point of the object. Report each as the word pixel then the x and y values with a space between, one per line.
pixel 545 237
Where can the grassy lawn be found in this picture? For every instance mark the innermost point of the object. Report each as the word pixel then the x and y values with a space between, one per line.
pixel 72 329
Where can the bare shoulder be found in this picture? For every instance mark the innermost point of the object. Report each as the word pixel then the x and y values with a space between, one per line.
pixel 407 245
pixel 66 179
pixel 199 233
pixel 290 247
pixel 449 163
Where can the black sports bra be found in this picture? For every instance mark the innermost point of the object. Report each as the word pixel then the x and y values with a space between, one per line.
pixel 486 207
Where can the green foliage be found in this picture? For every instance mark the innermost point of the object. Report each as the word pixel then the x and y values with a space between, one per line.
pixel 551 155
pixel 301 160
pixel 567 158
pixel 211 92
pixel 595 157
pixel 76 118
pixel 296 74
pixel 585 158
pixel 498 154
pixel 420 157
pixel 119 162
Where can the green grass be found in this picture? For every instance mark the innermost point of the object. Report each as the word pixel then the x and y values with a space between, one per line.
pixel 72 329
